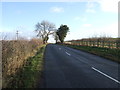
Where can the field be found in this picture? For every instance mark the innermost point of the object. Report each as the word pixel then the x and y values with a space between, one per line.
pixel 105 47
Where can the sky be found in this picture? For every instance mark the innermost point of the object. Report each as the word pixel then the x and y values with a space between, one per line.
pixel 86 18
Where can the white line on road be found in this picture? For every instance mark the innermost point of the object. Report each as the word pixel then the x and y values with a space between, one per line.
pixel 68 53
pixel 59 48
pixel 105 75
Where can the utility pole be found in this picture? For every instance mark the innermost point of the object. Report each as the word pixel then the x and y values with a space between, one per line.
pixel 17 34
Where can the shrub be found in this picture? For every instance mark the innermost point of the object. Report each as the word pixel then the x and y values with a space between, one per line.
pixel 14 56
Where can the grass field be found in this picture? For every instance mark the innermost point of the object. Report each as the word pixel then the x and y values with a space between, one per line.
pixel 112 54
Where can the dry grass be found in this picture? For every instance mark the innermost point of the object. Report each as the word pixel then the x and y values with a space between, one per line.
pixel 14 56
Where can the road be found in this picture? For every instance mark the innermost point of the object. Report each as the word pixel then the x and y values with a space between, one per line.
pixel 70 68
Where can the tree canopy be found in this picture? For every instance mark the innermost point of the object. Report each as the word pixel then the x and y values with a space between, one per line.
pixel 62 32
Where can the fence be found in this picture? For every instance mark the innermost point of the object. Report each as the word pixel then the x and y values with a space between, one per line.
pixel 97 42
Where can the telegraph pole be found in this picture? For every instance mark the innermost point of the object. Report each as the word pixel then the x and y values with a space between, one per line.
pixel 17 34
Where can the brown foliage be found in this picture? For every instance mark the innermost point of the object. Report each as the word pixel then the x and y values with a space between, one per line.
pixel 14 55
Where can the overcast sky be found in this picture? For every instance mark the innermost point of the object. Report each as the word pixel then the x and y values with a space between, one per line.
pixel 85 19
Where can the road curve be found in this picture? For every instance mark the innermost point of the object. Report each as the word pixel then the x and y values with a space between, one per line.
pixel 70 68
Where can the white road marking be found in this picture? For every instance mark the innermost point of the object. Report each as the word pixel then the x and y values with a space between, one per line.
pixel 68 53
pixel 106 75
pixel 59 48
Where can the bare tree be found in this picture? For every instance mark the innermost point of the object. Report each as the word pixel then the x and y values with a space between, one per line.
pixel 55 36
pixel 44 29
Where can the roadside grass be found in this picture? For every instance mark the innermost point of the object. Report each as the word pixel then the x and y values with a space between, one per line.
pixel 28 76
pixel 112 54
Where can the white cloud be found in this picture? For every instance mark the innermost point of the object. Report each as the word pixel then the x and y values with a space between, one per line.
pixel 73 35
pixel 90 7
pixel 109 5
pixel 90 4
pixel 83 32
pixel 6 29
pixel 105 5
pixel 109 30
pixel 57 9
pixel 90 11
pixel 87 25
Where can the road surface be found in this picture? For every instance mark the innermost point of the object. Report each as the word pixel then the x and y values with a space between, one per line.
pixel 70 68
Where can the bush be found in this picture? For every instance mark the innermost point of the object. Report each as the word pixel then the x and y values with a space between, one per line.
pixel 14 56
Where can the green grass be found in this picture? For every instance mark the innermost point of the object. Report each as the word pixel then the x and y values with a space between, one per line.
pixel 28 76
pixel 112 54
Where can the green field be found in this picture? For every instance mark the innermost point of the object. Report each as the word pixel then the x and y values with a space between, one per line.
pixel 112 54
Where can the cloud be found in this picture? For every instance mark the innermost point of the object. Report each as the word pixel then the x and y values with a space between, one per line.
pixel 57 9
pixel 109 5
pixel 87 25
pixel 73 35
pixel 90 11
pixel 105 5
pixel 109 30
pixel 90 7
pixel 6 29
pixel 90 4
pixel 83 32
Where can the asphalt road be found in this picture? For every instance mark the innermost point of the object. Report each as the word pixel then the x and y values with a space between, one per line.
pixel 70 68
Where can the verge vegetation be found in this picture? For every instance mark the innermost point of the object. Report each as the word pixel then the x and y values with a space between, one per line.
pixel 31 73
pixel 105 47
pixel 21 62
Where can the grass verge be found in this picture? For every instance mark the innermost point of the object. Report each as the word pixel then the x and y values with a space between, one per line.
pixel 27 77
pixel 112 54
